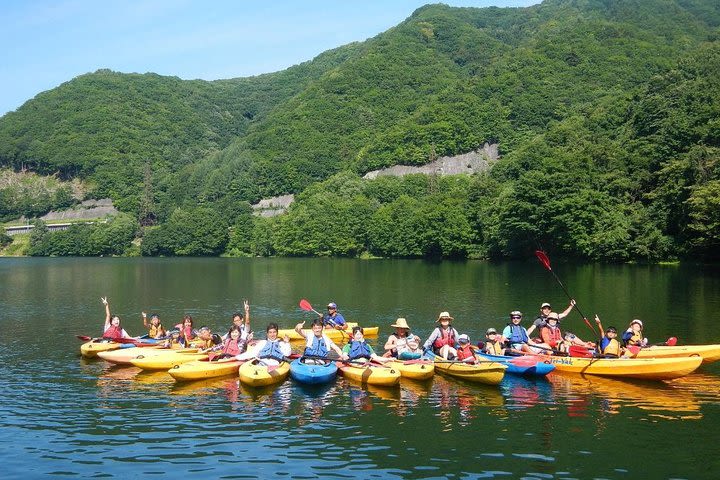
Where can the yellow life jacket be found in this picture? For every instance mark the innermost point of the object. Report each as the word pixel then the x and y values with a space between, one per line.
pixel 154 331
pixel 612 348
pixel 494 348
pixel 636 338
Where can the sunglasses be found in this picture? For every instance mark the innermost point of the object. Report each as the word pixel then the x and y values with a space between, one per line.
pixel 515 317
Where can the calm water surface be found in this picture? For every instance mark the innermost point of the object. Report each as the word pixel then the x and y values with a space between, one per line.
pixel 63 416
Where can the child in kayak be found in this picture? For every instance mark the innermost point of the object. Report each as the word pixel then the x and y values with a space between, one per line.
pixel 112 329
pixel 443 338
pixel 318 344
pixel 609 345
pixel 633 336
pixel 493 343
pixel 402 344
pixel 465 352
pixel 273 350
pixel 155 328
pixel 357 350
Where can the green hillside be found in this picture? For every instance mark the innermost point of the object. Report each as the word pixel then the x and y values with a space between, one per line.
pixel 605 111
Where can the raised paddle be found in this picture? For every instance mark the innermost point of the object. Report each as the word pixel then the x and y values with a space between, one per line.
pixel 545 261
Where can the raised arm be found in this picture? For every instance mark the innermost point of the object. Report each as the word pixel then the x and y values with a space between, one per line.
pixel 568 309
pixel 299 329
pixel 597 320
pixel 107 311
pixel 247 315
pixel 144 317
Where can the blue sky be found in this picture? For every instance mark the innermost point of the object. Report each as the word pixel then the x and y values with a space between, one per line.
pixel 48 42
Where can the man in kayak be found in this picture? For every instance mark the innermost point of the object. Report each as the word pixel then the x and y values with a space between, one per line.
pixel 318 344
pixel 112 329
pixel 358 350
pixel 273 350
pixel 545 310
pixel 333 318
pixel 517 338
pixel 243 323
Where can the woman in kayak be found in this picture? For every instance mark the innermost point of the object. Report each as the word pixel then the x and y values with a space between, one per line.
pixel 273 350
pixel 233 343
pixel 112 329
pixel 155 328
pixel 443 338
pixel 187 332
pixel 402 344
pixel 318 344
pixel 358 350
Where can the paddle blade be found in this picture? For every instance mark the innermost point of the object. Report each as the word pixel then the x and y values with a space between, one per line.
pixel 542 256
pixel 84 337
pixel 671 342
pixel 523 361
pixel 578 351
pixel 305 305
pixel 634 349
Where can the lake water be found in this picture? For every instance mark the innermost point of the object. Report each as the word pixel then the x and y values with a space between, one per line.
pixel 63 416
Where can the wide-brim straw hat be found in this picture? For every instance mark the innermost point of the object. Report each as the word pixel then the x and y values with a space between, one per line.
pixel 444 315
pixel 401 323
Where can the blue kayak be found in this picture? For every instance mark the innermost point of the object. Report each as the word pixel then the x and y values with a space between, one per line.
pixel 312 374
pixel 521 365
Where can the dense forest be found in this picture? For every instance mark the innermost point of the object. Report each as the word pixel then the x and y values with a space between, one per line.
pixel 607 114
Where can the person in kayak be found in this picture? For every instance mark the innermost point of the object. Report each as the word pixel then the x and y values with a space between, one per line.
pixel 493 343
pixel 333 318
pixel 187 332
pixel 553 337
pixel 545 310
pixel 112 329
pixel 233 344
pixel 173 339
pixel 465 352
pixel 357 350
pixel 444 338
pixel 609 345
pixel 318 344
pixel 633 336
pixel 206 341
pixel 402 344
pixel 516 336
pixel 155 328
pixel 273 350
pixel 243 322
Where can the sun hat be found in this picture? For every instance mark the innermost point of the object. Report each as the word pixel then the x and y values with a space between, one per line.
pixel 463 338
pixel 545 305
pixel 639 322
pixel 490 330
pixel 553 316
pixel 444 315
pixel 401 323
pixel 332 305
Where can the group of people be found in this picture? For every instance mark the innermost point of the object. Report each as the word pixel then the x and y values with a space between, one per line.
pixel 444 340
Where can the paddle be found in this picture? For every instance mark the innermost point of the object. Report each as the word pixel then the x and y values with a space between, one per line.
pixel 84 338
pixel 545 261
pixel 670 342
pixel 556 352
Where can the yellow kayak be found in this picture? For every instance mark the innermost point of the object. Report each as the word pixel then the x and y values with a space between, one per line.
pixel 91 348
pixel 333 333
pixel 255 374
pixel 490 373
pixel 124 355
pixel 203 369
pixel 414 369
pixel 166 359
pixel 644 368
pixel 385 376
pixel 709 353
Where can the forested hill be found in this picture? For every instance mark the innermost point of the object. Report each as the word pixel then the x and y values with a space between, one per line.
pixel 606 113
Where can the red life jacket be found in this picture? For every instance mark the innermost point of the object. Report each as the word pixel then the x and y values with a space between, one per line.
pixel 231 347
pixel 551 336
pixel 187 333
pixel 464 352
pixel 113 332
pixel 447 337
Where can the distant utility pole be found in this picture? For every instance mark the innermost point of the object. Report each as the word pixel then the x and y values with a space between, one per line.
pixel 147 215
